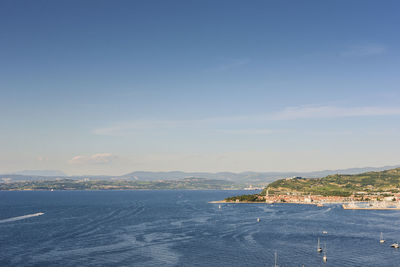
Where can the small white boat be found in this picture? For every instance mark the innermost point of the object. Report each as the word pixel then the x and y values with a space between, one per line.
pixel 258 219
pixel 395 245
pixel 381 240
pixel 319 249
pixel 325 232
pixel 324 258
pixel 219 206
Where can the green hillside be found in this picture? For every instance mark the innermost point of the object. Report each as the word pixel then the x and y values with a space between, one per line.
pixel 340 184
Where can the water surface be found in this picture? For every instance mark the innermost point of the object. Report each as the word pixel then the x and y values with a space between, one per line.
pixel 180 228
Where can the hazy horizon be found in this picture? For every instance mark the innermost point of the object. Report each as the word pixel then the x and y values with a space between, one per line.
pixel 61 173
pixel 97 87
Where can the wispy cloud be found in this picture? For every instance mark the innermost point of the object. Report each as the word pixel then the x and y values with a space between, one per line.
pixel 101 158
pixel 286 114
pixel 309 112
pixel 247 131
pixel 364 50
pixel 142 125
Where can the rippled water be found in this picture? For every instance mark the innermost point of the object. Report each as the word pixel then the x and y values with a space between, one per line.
pixel 180 228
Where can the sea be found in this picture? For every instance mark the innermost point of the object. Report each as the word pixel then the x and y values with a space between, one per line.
pixel 181 228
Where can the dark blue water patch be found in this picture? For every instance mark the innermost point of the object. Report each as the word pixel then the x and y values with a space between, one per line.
pixel 180 228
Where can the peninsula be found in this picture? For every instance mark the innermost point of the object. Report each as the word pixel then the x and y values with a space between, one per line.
pixel 379 190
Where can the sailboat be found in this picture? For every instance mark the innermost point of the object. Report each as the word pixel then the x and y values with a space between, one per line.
pixel 219 206
pixel 324 258
pixel 258 219
pixel 276 259
pixel 395 245
pixel 381 240
pixel 319 249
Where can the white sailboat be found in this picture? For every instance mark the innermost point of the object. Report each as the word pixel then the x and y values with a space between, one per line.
pixel 395 245
pixel 324 258
pixel 219 206
pixel 276 259
pixel 319 249
pixel 381 240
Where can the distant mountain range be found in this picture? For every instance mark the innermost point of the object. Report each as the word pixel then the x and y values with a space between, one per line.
pixel 41 173
pixel 241 178
pixel 247 177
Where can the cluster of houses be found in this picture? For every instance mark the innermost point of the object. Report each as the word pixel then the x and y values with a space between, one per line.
pixel 314 199
pixel 318 199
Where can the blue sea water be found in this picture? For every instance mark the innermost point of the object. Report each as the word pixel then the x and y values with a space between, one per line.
pixel 180 228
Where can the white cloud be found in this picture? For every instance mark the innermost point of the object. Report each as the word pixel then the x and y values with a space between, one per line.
pixel 216 124
pixel 100 158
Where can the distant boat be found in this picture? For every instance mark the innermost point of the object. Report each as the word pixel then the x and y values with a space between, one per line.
pixel 219 206
pixel 258 219
pixel 395 245
pixel 324 258
pixel 381 240
pixel 324 232
pixel 319 249
pixel 276 259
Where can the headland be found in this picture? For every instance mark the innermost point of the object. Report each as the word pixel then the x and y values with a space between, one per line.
pixel 370 191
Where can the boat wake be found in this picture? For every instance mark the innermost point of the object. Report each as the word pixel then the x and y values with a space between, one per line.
pixel 13 219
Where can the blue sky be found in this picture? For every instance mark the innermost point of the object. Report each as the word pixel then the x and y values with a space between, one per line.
pixel 109 87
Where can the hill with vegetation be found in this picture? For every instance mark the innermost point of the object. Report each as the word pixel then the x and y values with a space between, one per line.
pixel 339 184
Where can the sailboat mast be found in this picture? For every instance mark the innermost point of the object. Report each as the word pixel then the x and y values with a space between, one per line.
pixel 319 249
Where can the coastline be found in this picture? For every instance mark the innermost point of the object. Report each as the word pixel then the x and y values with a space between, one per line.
pixel 116 189
pixel 345 206
pixel 263 202
pixel 348 207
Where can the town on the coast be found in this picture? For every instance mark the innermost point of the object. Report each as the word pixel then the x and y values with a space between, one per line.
pixel 371 190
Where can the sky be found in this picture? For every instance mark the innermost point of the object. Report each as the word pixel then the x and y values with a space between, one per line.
pixel 111 87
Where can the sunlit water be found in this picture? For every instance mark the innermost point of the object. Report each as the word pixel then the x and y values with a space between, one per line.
pixel 180 228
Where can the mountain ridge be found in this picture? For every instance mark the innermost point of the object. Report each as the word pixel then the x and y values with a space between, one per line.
pixel 242 177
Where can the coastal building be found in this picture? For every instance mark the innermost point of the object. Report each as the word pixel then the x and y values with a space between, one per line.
pixel 294 178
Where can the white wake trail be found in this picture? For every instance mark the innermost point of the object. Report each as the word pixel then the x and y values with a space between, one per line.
pixel 13 219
